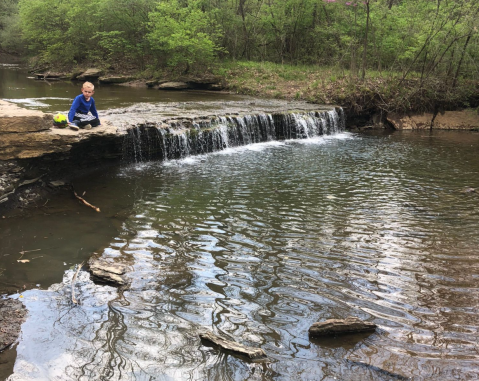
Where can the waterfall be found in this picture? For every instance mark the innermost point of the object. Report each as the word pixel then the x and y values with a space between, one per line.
pixel 181 138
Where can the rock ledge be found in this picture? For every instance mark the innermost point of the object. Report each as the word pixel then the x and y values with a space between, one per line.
pixel 333 327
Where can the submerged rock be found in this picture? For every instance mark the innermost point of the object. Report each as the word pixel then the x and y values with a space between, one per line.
pixel 255 354
pixel 57 183
pixel 108 271
pixel 341 326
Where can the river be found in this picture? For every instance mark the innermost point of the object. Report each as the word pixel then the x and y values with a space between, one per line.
pixel 256 243
pixel 18 86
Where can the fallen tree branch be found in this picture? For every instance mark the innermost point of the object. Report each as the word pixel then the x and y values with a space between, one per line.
pixel 84 201
pixel 74 300
pixel 25 251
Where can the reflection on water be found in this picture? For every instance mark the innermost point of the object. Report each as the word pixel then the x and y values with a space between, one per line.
pixel 258 243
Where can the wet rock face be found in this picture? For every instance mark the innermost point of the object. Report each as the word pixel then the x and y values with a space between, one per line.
pixel 12 315
pixel 109 272
pixel 333 327
pixel 10 178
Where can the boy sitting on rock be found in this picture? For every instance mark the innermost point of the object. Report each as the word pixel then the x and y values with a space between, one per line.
pixel 83 112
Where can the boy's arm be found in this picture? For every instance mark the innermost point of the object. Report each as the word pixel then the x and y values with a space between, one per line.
pixel 73 109
pixel 93 109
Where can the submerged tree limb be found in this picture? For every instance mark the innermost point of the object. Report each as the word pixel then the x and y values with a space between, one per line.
pixel 84 201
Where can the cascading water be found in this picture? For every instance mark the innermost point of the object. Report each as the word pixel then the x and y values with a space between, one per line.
pixel 177 139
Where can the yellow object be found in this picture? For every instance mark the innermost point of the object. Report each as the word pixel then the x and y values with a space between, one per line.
pixel 60 120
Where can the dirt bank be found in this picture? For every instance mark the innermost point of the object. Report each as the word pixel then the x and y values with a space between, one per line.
pixel 12 315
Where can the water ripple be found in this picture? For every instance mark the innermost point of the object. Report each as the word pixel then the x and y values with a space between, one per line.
pixel 257 245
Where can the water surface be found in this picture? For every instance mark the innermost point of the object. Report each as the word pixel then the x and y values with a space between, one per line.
pixel 18 86
pixel 257 243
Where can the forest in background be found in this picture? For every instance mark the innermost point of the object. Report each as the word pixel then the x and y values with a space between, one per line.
pixel 431 42
pixel 429 37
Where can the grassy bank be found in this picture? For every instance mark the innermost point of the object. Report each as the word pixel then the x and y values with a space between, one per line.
pixel 379 91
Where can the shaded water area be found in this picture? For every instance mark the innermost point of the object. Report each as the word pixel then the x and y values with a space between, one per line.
pixel 256 243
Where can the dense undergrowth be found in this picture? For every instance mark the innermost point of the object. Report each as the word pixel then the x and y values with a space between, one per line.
pixel 379 91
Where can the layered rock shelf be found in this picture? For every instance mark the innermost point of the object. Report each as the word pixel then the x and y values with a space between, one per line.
pixel 32 152
pixel 448 120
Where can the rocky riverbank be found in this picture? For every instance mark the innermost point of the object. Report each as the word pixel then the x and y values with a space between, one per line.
pixel 380 101
pixel 34 156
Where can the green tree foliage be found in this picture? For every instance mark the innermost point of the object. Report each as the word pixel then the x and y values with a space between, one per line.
pixel 183 34
pixel 122 29
pixel 59 31
pixel 10 32
pixel 420 38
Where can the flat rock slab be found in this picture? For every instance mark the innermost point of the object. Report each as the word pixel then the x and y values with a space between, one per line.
pixel 340 326
pixel 173 86
pixel 12 315
pixel 90 73
pixel 28 133
pixel 254 354
pixel 57 183
pixel 115 79
pixel 108 271
pixel 14 119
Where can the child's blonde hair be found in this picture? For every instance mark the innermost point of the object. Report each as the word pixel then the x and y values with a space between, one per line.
pixel 88 85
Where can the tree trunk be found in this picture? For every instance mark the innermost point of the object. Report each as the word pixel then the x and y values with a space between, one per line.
pixel 365 51
pixel 454 82
pixel 245 30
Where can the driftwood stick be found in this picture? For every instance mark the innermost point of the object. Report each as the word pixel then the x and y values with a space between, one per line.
pixel 84 201
pixel 74 279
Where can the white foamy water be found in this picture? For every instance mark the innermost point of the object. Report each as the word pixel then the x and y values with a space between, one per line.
pixel 35 102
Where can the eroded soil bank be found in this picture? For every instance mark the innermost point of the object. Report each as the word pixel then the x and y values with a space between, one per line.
pixel 12 315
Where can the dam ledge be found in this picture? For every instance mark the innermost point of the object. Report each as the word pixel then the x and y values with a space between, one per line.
pixel 36 157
